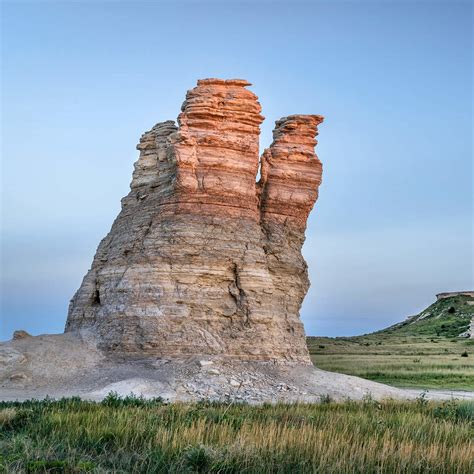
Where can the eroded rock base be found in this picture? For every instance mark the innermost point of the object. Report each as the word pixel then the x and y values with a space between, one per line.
pixel 70 364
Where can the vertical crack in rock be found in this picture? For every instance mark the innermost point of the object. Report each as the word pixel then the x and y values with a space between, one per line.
pixel 201 258
pixel 238 293
pixel 96 295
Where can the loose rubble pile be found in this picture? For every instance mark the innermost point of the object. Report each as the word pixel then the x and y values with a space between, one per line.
pixel 71 364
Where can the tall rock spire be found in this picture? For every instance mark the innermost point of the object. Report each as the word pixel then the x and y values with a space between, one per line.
pixel 202 260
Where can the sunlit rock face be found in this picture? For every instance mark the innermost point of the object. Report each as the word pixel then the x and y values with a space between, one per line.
pixel 202 260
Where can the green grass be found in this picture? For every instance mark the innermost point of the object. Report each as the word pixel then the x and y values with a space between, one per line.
pixel 421 352
pixel 134 435
pixel 402 361
pixel 448 317
pixel 411 361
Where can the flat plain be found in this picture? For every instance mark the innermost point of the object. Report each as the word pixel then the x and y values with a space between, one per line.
pixel 425 362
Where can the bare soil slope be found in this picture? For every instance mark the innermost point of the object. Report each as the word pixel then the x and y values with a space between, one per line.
pixel 71 365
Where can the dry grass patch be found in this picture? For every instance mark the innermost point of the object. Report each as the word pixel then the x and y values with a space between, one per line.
pixel 141 436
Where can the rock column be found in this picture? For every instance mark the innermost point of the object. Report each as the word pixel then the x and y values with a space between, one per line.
pixel 202 260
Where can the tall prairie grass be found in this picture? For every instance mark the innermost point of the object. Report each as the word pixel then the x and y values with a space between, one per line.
pixel 135 435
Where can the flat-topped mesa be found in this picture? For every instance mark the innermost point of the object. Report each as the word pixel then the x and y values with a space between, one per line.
pixel 291 171
pixel 201 260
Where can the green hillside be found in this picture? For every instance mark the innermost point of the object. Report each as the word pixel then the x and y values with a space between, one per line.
pixel 424 351
pixel 448 317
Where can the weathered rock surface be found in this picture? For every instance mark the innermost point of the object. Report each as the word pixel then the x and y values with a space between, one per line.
pixel 202 260
pixel 47 361
pixel 70 364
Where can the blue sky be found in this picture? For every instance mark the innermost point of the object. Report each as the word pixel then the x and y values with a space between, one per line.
pixel 82 80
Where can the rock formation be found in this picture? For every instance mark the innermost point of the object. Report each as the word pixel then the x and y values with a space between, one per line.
pixel 20 334
pixel 202 259
pixel 450 294
pixel 195 292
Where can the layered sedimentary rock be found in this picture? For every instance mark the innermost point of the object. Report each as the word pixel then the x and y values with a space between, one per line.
pixel 202 259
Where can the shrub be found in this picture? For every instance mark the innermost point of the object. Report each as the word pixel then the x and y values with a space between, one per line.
pixel 114 400
pixel 455 411
pixel 198 458
pixel 325 399
pixel 422 399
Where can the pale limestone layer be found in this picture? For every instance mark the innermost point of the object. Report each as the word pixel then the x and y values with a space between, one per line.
pixel 201 259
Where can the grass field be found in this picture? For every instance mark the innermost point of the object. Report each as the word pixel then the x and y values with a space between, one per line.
pixel 404 361
pixel 424 351
pixel 133 435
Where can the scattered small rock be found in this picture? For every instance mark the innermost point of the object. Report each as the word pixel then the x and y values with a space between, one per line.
pixel 20 334
pixel 17 377
pixel 10 356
